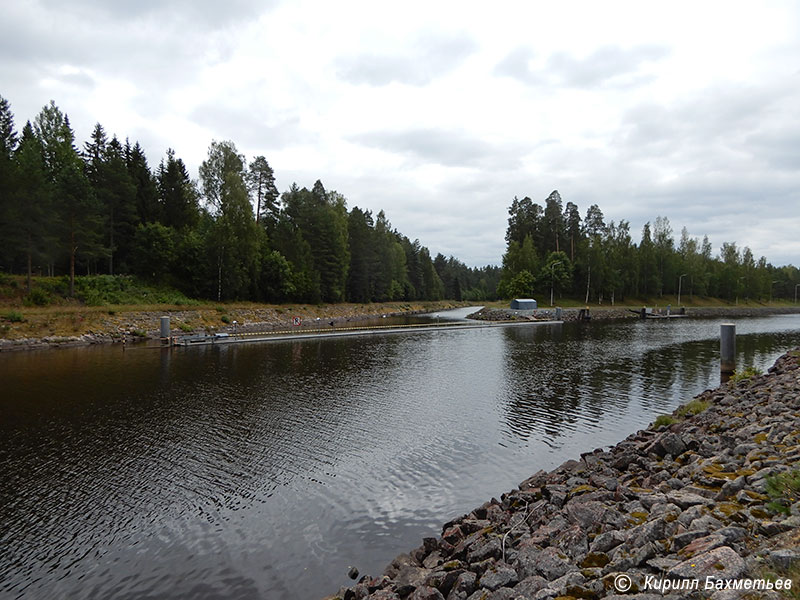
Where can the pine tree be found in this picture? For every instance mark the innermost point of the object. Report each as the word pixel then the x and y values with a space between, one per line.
pixel 648 263
pixel 73 199
pixel 553 222
pixel 572 224
pixel 261 182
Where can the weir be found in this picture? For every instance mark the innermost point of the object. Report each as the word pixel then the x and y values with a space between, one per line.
pixel 269 336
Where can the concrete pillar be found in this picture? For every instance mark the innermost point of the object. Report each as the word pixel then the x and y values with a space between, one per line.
pixel 727 349
pixel 165 330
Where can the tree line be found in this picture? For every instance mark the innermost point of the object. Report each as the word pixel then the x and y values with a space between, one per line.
pixel 102 209
pixel 552 247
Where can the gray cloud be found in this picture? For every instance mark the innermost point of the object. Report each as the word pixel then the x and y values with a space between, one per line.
pixel 721 126
pixel 517 66
pixel 778 149
pixel 208 14
pixel 163 43
pixel 610 66
pixel 720 160
pixel 252 128
pixel 448 148
pixel 455 218
pixel 429 57
pixel 78 79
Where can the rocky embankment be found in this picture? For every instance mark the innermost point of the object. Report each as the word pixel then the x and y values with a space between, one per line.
pixel 51 329
pixel 549 314
pixel 606 314
pixel 705 499
pixel 742 311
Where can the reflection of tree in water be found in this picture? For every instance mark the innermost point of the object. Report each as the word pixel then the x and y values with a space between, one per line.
pixel 559 378
pixel 563 378
pixel 761 350
pixel 670 372
pixel 674 374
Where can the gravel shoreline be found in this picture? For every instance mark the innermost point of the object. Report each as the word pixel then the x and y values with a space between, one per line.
pixel 607 314
pixel 670 505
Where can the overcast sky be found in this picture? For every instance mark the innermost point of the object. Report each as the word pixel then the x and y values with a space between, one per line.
pixel 441 112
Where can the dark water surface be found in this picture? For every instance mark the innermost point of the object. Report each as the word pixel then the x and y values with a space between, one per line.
pixel 265 470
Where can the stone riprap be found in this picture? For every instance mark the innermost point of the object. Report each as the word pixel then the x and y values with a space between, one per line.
pixel 549 314
pixel 606 314
pixel 669 505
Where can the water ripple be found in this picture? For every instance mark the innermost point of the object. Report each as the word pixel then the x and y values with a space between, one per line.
pixel 263 471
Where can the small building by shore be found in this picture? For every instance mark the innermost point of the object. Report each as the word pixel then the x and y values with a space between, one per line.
pixel 524 304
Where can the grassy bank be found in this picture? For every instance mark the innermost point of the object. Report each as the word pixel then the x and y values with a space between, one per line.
pixel 110 306
pixel 91 291
pixel 142 320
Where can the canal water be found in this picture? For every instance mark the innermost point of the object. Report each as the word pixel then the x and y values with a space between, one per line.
pixel 266 470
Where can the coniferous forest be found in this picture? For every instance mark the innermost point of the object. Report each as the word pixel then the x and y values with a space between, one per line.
pixel 594 261
pixel 101 208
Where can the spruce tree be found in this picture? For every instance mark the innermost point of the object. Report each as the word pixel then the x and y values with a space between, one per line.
pixel 8 183
pixel 147 205
pixel 31 216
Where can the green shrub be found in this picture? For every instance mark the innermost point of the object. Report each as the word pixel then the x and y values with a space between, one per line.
pixel 185 327
pixel 55 286
pixel 14 317
pixel 101 290
pixel 747 373
pixel 695 407
pixel 784 490
pixel 664 420
pixel 173 297
pixel 225 319
pixel 37 297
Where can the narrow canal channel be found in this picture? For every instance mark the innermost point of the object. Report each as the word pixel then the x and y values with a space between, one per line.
pixel 265 470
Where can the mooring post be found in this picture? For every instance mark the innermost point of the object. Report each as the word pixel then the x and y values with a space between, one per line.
pixel 727 350
pixel 164 331
pixel 558 313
